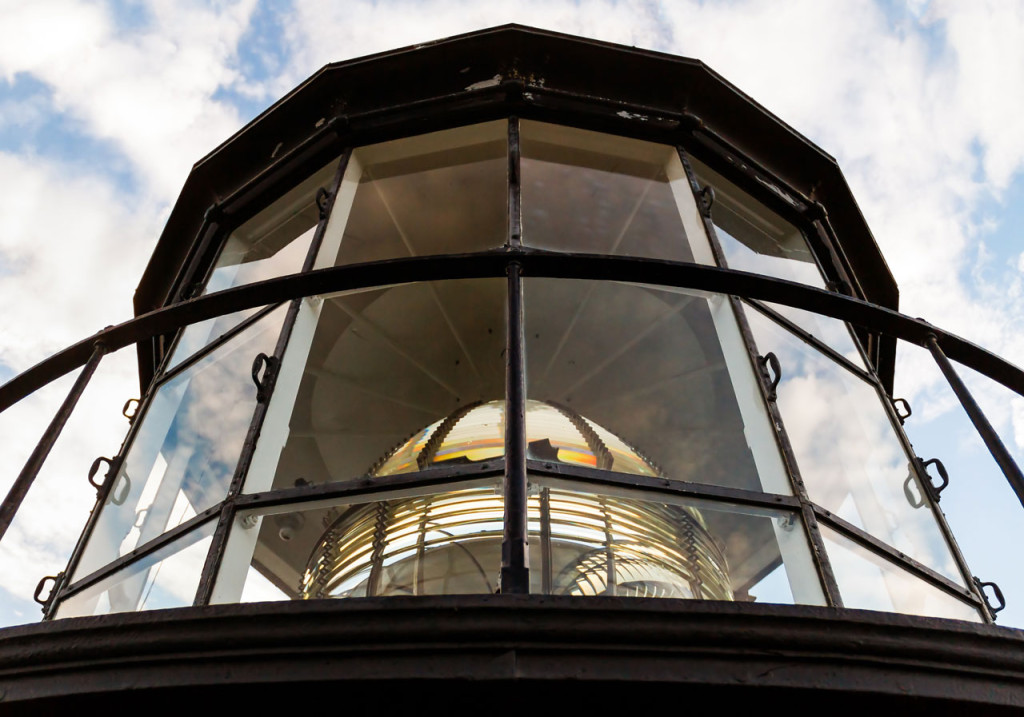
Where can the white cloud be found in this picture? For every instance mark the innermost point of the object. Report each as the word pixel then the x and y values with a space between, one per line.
pixel 149 90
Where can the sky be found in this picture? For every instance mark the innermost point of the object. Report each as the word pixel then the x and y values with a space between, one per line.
pixel 105 105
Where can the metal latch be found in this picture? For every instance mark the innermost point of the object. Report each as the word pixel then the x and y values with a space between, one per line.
pixel 929 487
pixel 995 590
pixel 321 202
pixel 124 410
pixel 902 408
pixel 45 602
pixel 268 365
pixel 763 363
pixel 707 200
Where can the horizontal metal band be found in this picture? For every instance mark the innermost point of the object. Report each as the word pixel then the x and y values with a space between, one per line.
pixel 601 653
pixel 535 263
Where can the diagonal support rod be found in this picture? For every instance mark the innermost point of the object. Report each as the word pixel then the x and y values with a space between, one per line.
pixel 34 464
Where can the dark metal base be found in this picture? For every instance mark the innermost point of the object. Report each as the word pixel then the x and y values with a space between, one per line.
pixel 496 653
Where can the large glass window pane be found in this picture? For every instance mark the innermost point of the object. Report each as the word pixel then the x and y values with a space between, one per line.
pixel 369 378
pixel 601 194
pixel 849 454
pixel 274 242
pixel 643 380
pixel 183 456
pixel 869 582
pixel 165 578
pixel 753 237
pixel 439 193
pixel 424 542
pixel 756 239
pixel 625 543
pixel 432 543
pixel 833 333
pixel 979 503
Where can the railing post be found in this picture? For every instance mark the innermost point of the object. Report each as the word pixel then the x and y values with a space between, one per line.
pixel 28 474
pixel 988 434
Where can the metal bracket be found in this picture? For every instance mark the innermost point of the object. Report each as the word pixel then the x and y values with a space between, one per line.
pixel 124 410
pixel 45 602
pixel 763 363
pixel 264 384
pixel 321 202
pixel 904 414
pixel 935 489
pixel 95 467
pixel 932 489
pixel 707 200
pixel 995 589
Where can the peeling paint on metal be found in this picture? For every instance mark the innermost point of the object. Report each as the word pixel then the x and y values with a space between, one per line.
pixel 493 82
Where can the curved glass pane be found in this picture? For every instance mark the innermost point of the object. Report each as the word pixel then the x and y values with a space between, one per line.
pixel 833 333
pixel 869 582
pixel 753 237
pixel 600 194
pixel 423 542
pixel 438 193
pixel 365 373
pixel 607 541
pixel 849 454
pixel 581 543
pixel 275 242
pixel 168 577
pixel 979 504
pixel 647 372
pixel 184 452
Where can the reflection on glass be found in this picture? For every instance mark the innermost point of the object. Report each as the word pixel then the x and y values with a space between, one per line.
pixel 600 194
pixel 379 370
pixel 623 543
pixel 848 452
pixel 753 237
pixel 647 369
pixel 581 543
pixel 183 456
pixel 440 193
pixel 165 578
pixel 869 582
pixel 275 242
pixel 441 543
pixel 833 333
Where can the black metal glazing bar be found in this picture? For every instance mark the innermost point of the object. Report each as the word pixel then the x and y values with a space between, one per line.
pixel 137 554
pixel 515 213
pixel 988 434
pixel 829 585
pixel 327 209
pixel 656 484
pixel 814 341
pixel 372 487
pixel 35 461
pixel 515 573
pixel 896 557
pixel 192 360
